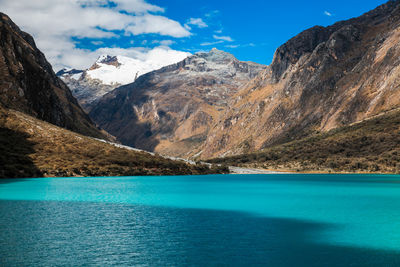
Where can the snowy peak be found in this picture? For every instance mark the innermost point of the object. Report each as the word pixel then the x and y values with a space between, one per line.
pixel 107 60
pixel 109 72
pixel 116 70
pixel 121 70
pixel 217 56
pixel 220 64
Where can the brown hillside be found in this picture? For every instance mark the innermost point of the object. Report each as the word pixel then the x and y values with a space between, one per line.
pixel 322 79
pixel 34 148
pixel 369 146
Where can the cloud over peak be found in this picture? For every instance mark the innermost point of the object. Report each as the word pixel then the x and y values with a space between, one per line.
pixel 55 24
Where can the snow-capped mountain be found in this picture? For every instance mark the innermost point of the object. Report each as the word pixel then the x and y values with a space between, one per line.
pixel 108 73
pixel 123 70
pixel 172 109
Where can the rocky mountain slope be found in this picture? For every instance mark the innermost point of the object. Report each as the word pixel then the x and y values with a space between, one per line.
pixel 171 110
pixel 34 148
pixel 370 146
pixel 33 101
pixel 324 78
pixel 108 73
pixel 28 83
pixel 85 89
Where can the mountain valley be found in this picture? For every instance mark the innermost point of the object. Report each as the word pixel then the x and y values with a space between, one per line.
pixel 326 83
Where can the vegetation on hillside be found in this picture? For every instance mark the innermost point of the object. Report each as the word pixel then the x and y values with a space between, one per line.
pixel 369 146
pixel 33 148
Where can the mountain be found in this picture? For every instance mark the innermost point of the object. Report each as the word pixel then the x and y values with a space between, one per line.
pixel 34 102
pixel 170 110
pixel 29 84
pixel 33 148
pixel 84 88
pixel 108 73
pixel 322 79
pixel 369 146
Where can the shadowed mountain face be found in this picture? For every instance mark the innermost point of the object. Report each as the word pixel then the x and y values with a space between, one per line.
pixel 28 83
pixel 321 79
pixel 171 110
pixel 33 148
pixel 15 149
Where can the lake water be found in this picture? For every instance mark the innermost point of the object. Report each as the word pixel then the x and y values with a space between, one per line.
pixel 216 220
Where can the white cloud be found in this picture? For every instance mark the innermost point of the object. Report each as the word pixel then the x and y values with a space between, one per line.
pixel 196 22
pixel 54 24
pixel 97 42
pixel 327 13
pixel 232 46
pixel 156 24
pixel 82 59
pixel 223 38
pixel 163 42
pixel 137 6
pixel 211 43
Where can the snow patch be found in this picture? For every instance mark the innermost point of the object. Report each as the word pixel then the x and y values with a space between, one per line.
pixel 128 69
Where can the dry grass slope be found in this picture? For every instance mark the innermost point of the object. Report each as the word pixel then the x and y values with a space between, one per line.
pixel 33 148
pixel 371 146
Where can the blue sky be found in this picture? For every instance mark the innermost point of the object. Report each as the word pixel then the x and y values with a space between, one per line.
pixel 74 33
pixel 257 26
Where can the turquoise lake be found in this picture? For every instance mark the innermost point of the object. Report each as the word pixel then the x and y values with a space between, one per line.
pixel 215 220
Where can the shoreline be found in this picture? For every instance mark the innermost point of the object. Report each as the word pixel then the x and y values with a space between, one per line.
pixel 240 170
pixel 244 170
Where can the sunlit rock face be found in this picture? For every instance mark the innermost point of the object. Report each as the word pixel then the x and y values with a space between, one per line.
pixel 324 78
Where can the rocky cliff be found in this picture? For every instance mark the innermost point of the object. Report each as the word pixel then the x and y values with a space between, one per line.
pixel 323 78
pixel 28 83
pixel 171 110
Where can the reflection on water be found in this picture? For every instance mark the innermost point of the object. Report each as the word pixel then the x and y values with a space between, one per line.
pixel 206 220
